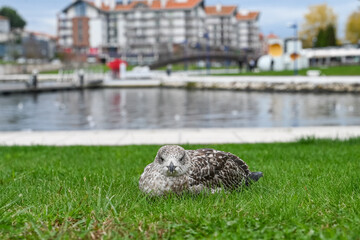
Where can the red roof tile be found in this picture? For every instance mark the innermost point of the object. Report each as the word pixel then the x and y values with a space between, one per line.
pixel 248 16
pixel 155 5
pixel 272 36
pixel 40 34
pixel 225 10
pixel 2 17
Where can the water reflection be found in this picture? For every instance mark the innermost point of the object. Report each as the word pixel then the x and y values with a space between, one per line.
pixel 174 108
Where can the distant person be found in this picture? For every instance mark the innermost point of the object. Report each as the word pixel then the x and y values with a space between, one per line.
pixel 168 69
pixel 240 64
pixel 272 65
pixel 251 65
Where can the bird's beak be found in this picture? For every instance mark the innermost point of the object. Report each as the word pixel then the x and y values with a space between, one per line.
pixel 171 167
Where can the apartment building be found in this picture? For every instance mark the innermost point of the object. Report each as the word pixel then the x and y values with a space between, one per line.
pixel 152 28
pixel 38 45
pixel 4 29
pixel 141 31
pixel 230 28
pixel 248 32
pixel 221 26
pixel 132 28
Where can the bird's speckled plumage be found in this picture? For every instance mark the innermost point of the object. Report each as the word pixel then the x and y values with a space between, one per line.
pixel 177 170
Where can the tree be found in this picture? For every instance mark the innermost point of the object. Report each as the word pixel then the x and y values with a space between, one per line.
pixel 319 17
pixel 330 35
pixel 320 39
pixel 352 31
pixel 326 37
pixel 16 21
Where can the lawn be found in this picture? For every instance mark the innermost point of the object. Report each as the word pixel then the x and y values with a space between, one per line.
pixel 310 190
pixel 192 67
pixel 325 71
pixel 99 68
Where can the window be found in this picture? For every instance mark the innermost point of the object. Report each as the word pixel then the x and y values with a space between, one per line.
pixel 80 9
pixel 80 31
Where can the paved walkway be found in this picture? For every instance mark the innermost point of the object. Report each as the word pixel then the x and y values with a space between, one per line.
pixel 175 136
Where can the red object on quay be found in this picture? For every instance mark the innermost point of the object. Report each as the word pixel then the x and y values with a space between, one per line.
pixel 115 64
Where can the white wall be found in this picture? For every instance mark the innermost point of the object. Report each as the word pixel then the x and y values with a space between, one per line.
pixel 91 12
pixel 104 28
pixel 121 24
pixel 179 39
pixel 4 26
pixel 71 13
pixel 4 37
pixel 95 32
pixel 293 46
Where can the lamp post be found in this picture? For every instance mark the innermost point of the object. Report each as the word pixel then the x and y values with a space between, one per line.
pixel 296 55
pixel 227 62
pixel 198 47
pixel 206 36
pixel 186 63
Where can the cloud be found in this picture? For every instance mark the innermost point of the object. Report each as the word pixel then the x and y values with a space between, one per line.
pixel 275 19
pixel 280 15
pixel 43 24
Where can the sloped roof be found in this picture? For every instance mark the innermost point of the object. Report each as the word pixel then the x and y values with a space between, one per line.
pixel 40 34
pixel 248 16
pixel 3 18
pixel 225 10
pixel 155 5
pixel 272 36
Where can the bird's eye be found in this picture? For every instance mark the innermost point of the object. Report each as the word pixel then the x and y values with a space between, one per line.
pixel 182 159
pixel 161 159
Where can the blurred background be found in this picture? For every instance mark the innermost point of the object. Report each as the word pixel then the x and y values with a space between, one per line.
pixel 146 32
pixel 57 45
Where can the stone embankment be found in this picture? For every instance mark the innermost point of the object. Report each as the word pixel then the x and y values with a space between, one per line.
pixel 272 84
pixel 321 84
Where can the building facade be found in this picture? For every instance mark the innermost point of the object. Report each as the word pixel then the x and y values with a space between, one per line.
pixel 248 32
pixel 221 26
pixel 143 31
pixel 36 45
pixel 4 29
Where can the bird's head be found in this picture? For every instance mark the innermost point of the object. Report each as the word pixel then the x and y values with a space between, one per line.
pixel 172 160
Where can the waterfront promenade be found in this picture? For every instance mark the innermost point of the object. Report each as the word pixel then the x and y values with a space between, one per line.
pixel 346 84
pixel 175 136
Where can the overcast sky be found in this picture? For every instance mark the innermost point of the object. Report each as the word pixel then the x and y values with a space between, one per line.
pixel 275 14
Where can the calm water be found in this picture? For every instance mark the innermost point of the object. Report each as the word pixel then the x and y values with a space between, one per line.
pixel 174 108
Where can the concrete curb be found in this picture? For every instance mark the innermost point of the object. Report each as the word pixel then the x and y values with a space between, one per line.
pixel 175 136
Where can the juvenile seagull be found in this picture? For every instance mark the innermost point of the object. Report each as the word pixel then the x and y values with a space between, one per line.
pixel 178 170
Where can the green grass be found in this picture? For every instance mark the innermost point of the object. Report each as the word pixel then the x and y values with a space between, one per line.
pixel 181 67
pixel 2 62
pixel 95 68
pixel 326 71
pixel 310 190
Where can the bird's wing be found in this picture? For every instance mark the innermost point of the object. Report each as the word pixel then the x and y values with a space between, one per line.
pixel 239 162
pixel 217 168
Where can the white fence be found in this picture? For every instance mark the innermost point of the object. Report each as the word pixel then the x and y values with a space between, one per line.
pixel 61 77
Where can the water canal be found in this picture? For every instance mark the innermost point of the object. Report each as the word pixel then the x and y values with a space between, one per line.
pixel 174 108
